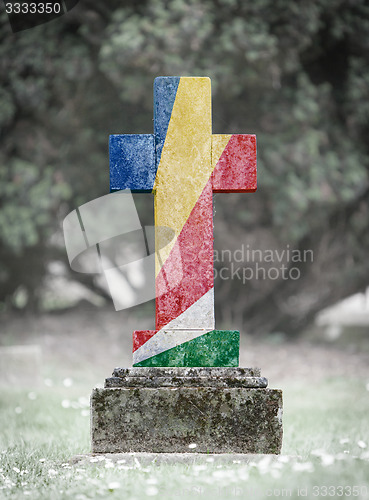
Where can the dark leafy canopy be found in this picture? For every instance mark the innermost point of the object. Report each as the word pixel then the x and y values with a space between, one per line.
pixel 294 73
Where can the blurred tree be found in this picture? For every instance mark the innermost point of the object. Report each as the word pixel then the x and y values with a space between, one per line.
pixel 296 74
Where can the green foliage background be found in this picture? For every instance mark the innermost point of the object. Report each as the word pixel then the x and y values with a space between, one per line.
pixel 294 73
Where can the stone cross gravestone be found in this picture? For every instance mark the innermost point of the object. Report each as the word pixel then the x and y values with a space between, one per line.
pixel 185 385
pixel 183 164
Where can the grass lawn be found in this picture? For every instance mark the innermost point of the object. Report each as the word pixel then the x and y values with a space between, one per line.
pixel 325 451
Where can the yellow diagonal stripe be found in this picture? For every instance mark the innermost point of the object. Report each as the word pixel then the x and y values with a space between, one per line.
pixel 185 164
pixel 219 142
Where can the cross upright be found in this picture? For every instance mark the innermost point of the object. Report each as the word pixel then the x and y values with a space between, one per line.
pixel 183 164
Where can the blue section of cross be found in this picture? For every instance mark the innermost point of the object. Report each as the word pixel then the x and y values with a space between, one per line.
pixel 134 159
pixel 132 162
pixel 165 90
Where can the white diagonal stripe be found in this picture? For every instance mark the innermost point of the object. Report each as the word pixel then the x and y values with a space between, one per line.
pixel 195 321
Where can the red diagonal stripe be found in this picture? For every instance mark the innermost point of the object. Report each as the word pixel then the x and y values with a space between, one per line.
pixel 195 245
pixel 235 171
pixel 140 337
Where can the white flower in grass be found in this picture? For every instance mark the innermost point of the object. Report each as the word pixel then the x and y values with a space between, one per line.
pixel 42 460
pixel 327 460
pixel 218 473
pixel 152 491
pixel 361 444
pixel 114 485
pixel 109 465
pixel 318 453
pixel 264 464
pixel 15 469
pixel 303 467
pixel 199 467
pixel 151 480
pixel 344 440
pixel 18 410
pixel 26 492
pixel 8 483
pixel 225 474
pixel 192 446
pixel 52 472
pixel 83 401
pixel 65 403
pixel 210 459
pixel 85 413
pixel 121 461
pixel 67 382
pixel 243 474
pixel 94 459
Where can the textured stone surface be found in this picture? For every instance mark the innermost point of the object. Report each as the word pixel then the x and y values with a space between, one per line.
pixel 250 382
pixel 187 372
pixel 183 203
pixel 168 420
pixel 190 377
pixel 234 163
pixel 215 348
pixel 190 164
pixel 132 162
pixel 165 91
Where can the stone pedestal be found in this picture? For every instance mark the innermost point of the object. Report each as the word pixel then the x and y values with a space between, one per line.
pixel 165 410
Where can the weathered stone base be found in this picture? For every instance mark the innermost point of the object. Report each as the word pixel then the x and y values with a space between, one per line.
pixel 220 410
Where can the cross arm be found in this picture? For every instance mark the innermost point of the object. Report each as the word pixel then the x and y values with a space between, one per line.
pixel 132 162
pixel 234 163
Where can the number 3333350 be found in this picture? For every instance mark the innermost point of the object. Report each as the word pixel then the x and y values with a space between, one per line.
pixel 33 8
